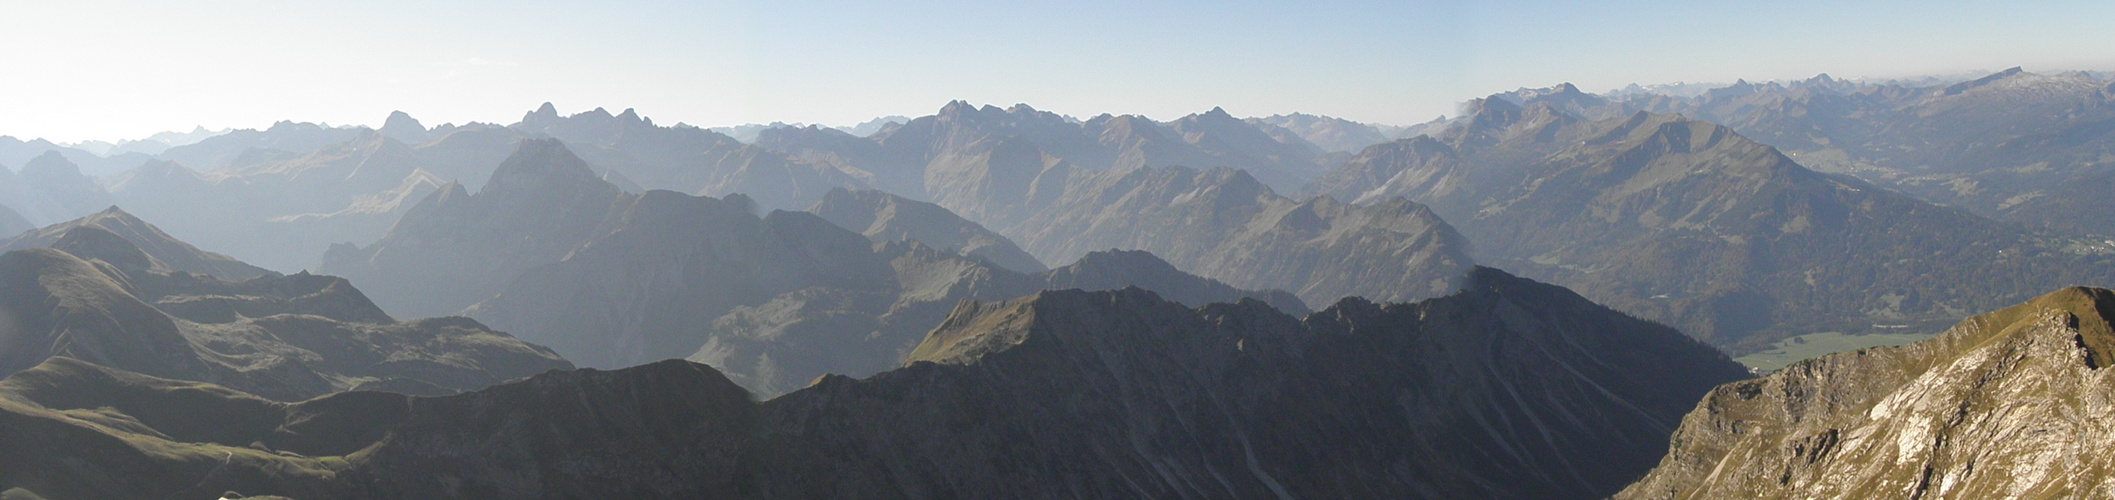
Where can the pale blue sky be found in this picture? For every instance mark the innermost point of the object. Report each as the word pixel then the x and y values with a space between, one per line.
pixel 108 70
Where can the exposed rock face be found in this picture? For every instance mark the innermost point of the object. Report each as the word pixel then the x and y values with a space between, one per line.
pixel 282 337
pixel 885 217
pixel 1689 223
pixel 156 249
pixel 1510 389
pixel 2010 404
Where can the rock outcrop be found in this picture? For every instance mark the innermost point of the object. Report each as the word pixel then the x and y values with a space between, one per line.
pixel 2009 404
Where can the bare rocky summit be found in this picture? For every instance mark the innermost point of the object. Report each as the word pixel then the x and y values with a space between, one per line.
pixel 2009 404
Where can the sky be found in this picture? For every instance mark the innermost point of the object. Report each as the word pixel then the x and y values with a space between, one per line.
pixel 107 70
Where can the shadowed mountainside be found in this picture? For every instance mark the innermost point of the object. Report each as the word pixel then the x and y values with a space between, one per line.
pixel 1090 394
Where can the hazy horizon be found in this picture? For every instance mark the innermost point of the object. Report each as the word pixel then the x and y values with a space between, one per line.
pixel 117 70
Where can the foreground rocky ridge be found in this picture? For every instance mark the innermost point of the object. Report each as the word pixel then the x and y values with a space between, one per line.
pixel 1092 394
pixel 2009 404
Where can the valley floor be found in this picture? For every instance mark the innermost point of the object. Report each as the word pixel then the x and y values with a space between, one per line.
pixel 1814 345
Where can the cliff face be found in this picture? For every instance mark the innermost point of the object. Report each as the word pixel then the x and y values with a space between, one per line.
pixel 1510 389
pixel 2009 404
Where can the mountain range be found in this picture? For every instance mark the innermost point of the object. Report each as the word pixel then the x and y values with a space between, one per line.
pixel 1690 223
pixel 2012 145
pixel 553 254
pixel 115 291
pixel 1062 189
pixel 1008 302
pixel 1091 394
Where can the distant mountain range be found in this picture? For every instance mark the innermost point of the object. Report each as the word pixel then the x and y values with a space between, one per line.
pixel 749 132
pixel 1005 302
pixel 1062 189
pixel 1092 394
pixel 554 254
pixel 2013 145
pixel 1691 223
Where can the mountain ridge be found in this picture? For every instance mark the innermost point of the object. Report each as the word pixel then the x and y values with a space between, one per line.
pixel 1225 425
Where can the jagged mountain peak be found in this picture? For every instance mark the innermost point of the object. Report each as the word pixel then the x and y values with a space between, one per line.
pixel 542 114
pixel 401 126
pixel 2090 310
